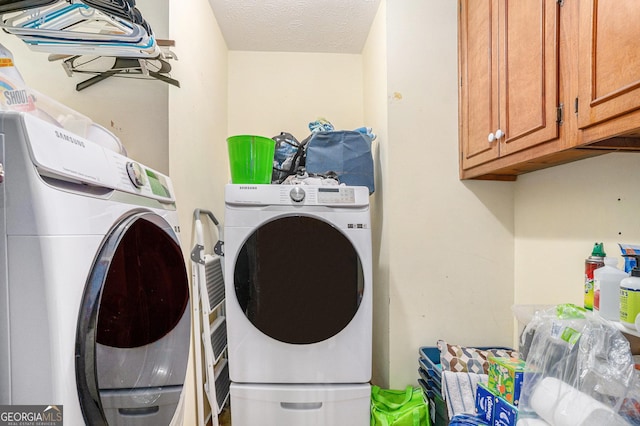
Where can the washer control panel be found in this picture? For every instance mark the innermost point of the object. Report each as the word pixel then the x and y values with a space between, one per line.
pixel 63 155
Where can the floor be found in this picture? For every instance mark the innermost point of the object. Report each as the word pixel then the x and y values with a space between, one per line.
pixel 225 417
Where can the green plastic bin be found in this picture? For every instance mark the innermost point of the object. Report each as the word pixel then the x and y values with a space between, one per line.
pixel 251 158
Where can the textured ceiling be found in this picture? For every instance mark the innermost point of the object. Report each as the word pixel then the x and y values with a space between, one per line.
pixel 328 26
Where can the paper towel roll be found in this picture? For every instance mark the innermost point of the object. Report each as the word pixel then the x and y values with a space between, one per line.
pixel 604 417
pixel 562 405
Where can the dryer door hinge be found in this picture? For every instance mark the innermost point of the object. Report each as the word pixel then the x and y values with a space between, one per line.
pixel 560 114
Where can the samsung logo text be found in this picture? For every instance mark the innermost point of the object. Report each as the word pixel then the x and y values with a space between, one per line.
pixel 69 138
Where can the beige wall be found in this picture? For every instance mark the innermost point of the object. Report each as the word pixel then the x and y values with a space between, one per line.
pixel 375 111
pixel 197 129
pixel 561 212
pixel 450 242
pixel 274 92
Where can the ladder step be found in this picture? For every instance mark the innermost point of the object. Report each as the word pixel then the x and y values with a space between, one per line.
pixel 214 280
pixel 218 338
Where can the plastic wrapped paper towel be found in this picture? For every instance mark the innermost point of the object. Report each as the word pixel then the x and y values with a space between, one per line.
pixel 562 405
pixel 580 369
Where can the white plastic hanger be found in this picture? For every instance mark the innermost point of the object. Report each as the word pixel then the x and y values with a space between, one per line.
pixel 76 29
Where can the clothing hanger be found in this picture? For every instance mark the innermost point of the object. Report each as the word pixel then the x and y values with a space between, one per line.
pixel 146 49
pixel 121 67
pixel 120 8
pixel 77 29
pixel 75 22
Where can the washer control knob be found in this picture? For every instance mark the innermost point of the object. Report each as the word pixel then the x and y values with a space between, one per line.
pixel 136 174
pixel 297 194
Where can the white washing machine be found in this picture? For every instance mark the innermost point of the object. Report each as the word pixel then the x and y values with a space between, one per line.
pixel 94 294
pixel 298 280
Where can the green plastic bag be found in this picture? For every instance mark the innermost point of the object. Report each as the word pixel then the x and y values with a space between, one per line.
pixel 390 407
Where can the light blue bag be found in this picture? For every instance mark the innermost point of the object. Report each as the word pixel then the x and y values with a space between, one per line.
pixel 345 152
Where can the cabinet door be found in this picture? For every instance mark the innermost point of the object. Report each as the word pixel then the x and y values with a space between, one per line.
pixel 509 82
pixel 609 48
pixel 478 47
pixel 528 73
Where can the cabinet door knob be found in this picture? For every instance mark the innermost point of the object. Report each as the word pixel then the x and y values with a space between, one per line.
pixel 499 134
pixel 491 137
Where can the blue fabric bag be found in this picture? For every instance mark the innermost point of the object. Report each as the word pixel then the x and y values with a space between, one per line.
pixel 345 152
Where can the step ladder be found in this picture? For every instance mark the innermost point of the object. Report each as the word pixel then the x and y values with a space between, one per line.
pixel 209 320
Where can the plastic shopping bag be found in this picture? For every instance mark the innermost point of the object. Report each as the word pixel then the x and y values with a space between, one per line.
pixel 390 407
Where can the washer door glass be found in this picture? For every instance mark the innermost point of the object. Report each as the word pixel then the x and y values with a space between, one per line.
pixel 299 280
pixel 132 342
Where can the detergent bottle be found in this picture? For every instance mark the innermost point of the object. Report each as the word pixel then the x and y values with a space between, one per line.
pixel 14 93
pixel 8 68
pixel 606 289
pixel 630 298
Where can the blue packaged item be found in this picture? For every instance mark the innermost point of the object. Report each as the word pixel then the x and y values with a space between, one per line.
pixel 347 153
pixel 504 414
pixel 484 403
pixel 467 420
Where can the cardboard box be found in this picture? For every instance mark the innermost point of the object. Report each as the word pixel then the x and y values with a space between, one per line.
pixel 505 378
pixel 504 413
pixel 485 402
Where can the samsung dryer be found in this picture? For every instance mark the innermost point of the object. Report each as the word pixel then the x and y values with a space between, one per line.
pixel 298 280
pixel 94 292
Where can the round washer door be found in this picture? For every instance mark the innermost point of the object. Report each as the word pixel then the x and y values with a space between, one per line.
pixel 133 334
pixel 298 280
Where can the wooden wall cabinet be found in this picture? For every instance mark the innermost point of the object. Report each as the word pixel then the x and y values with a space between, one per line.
pixel 545 83
pixel 609 74
pixel 509 77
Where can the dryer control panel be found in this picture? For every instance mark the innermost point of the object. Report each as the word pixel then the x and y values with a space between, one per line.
pixel 337 195
pixel 297 195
